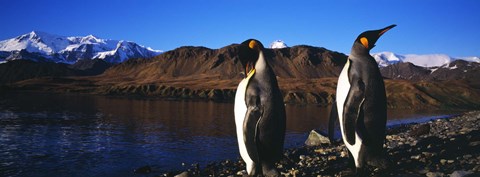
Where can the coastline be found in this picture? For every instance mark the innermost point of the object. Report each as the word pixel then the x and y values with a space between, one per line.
pixel 401 94
pixel 441 147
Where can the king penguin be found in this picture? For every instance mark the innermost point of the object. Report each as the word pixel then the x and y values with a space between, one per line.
pixel 361 104
pixel 259 112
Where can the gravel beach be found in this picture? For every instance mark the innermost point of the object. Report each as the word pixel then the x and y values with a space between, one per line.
pixel 441 147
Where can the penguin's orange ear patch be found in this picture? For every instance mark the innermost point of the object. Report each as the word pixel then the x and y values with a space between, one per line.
pixel 364 41
pixel 253 44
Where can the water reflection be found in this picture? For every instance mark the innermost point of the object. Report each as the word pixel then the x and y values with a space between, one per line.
pixel 78 135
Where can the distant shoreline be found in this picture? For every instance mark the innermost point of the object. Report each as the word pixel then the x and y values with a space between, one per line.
pixel 401 94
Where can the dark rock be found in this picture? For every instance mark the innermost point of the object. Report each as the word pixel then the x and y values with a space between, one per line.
pixel 143 170
pixel 421 129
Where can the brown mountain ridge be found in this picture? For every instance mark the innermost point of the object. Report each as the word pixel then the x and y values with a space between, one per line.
pixel 306 75
pixel 294 62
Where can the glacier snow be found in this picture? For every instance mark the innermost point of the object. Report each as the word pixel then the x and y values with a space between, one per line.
pixel 63 49
pixel 428 60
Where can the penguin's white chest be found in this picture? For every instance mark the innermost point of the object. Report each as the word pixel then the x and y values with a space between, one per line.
pixel 343 87
pixel 240 112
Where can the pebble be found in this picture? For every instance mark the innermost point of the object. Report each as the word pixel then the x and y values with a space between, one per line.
pixel 323 151
pixel 428 154
pixel 443 161
pixel 423 171
pixel 434 174
pixel 281 173
pixel 241 173
pixel 416 157
pixel 332 157
pixel 414 143
pixel 460 173
pixel 475 143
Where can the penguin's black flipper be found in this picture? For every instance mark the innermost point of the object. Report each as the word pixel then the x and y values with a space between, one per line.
pixel 353 109
pixel 250 130
pixel 332 121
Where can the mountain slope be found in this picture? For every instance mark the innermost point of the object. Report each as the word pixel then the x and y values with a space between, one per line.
pixel 18 70
pixel 62 49
pixel 458 70
pixel 25 69
pixel 223 63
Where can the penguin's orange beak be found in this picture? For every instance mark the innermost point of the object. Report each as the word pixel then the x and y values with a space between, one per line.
pixel 249 67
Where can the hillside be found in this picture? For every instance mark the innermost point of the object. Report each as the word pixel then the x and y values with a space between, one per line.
pixel 458 70
pixel 294 62
pixel 18 70
pixel 306 75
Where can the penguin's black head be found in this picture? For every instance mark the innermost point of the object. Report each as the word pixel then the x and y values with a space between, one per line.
pixel 368 38
pixel 249 53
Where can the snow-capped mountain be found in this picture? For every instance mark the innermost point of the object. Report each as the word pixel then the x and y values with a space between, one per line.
pixel 41 46
pixel 278 44
pixel 431 60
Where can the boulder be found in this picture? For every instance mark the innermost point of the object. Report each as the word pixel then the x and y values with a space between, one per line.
pixel 315 139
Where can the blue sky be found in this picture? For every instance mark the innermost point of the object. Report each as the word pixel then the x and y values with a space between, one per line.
pixel 424 27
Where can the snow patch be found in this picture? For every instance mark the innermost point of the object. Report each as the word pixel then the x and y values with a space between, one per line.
pixel 387 58
pixel 452 67
pixel 278 44
pixel 429 60
pixel 469 59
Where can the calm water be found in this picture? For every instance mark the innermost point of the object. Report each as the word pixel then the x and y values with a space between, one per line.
pixel 78 135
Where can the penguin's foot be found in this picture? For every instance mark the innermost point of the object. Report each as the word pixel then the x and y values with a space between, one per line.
pixel 381 163
pixel 270 171
pixel 361 172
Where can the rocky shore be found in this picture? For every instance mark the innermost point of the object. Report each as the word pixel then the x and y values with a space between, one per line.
pixel 442 147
